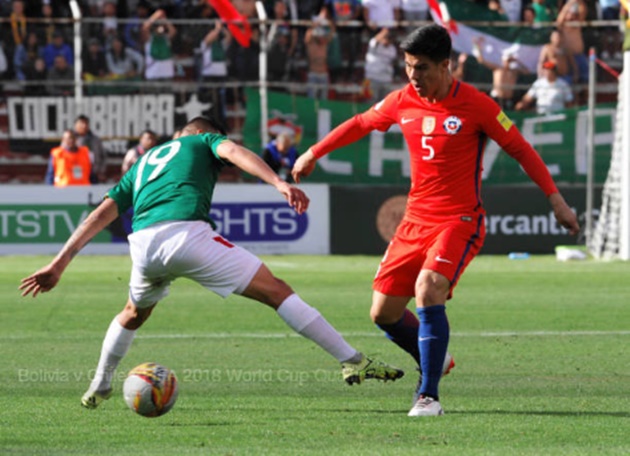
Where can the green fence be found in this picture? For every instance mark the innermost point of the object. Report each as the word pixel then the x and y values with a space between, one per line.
pixel 560 139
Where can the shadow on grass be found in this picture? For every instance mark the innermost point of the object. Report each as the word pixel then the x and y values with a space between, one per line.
pixel 489 412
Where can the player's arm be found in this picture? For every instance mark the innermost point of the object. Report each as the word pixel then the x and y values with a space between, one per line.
pixel 47 278
pixel 346 133
pixel 510 139
pixel 251 163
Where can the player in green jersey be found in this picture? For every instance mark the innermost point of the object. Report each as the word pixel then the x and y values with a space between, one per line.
pixel 170 189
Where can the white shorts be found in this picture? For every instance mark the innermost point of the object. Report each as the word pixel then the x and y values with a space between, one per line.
pixel 163 252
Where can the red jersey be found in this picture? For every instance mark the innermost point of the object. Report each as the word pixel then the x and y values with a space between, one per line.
pixel 446 141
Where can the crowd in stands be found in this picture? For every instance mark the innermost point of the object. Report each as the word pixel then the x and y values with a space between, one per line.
pixel 314 43
pixel 314 47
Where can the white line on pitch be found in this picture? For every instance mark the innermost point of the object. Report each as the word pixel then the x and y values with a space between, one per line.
pixel 262 335
pixel 377 334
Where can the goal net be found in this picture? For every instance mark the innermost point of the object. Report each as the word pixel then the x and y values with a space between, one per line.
pixel 611 234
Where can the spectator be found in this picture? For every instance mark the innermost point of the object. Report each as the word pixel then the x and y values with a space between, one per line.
pixel 280 154
pixel 282 27
pixel 341 12
pixel 574 11
pixel 542 11
pixel 317 39
pixel 148 139
pixel 611 37
pixel 36 77
pixel 94 8
pixel 495 6
pixel 26 54
pixel 414 11
pixel 512 9
pixel 157 34
pixel 550 93
pixel 46 28
pixel 555 51
pixel 105 26
pixel 58 47
pixel 133 29
pixel 60 77
pixel 529 15
pixel 18 23
pixel 85 137
pixel 380 13
pixel 123 61
pixel 504 76
pixel 278 60
pixel 69 163
pixel 243 66
pixel 93 59
pixel 110 23
pixel 214 69
pixel 379 64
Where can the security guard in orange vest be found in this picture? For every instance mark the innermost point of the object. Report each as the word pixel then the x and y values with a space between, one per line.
pixel 69 164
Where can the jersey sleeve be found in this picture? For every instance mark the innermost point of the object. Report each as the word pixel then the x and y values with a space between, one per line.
pixel 378 117
pixel 212 140
pixel 499 127
pixel 122 193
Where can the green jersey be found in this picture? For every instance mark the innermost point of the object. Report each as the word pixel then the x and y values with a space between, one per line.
pixel 173 181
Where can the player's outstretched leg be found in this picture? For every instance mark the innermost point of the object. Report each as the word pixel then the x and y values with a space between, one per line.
pixel 115 345
pixel 117 341
pixel 308 322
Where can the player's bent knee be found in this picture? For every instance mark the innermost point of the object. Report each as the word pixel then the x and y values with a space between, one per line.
pixel 384 316
pixel 132 317
pixel 432 288
pixel 268 289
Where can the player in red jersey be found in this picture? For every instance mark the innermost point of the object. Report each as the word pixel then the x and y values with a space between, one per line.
pixel 446 124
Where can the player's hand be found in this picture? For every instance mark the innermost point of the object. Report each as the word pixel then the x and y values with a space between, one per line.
pixel 41 281
pixel 304 165
pixel 564 215
pixel 297 198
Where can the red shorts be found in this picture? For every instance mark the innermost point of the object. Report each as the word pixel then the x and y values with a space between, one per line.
pixel 445 245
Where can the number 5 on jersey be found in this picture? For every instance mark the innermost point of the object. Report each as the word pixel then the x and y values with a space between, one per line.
pixel 426 146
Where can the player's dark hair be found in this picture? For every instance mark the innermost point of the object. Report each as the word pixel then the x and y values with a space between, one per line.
pixel 431 41
pixel 205 124
pixel 82 118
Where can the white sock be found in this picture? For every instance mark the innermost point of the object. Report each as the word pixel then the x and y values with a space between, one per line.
pixel 308 322
pixel 115 346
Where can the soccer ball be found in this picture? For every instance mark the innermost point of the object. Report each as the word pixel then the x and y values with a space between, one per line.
pixel 150 389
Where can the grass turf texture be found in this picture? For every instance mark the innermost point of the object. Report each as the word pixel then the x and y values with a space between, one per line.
pixel 540 346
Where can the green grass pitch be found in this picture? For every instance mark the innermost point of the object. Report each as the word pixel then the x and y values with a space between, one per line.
pixel 541 349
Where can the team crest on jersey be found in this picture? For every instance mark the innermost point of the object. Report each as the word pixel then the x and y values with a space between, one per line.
pixel 452 125
pixel 428 125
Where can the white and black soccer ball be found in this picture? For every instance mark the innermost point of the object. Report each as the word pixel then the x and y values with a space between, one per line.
pixel 150 389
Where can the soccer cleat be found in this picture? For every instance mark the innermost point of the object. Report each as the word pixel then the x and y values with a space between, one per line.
pixel 426 406
pixel 368 368
pixel 449 364
pixel 92 399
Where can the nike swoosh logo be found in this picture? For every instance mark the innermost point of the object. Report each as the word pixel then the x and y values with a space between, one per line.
pixel 421 339
pixel 439 259
pixel 404 120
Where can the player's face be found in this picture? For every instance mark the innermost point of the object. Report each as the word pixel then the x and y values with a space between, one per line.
pixel 428 78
